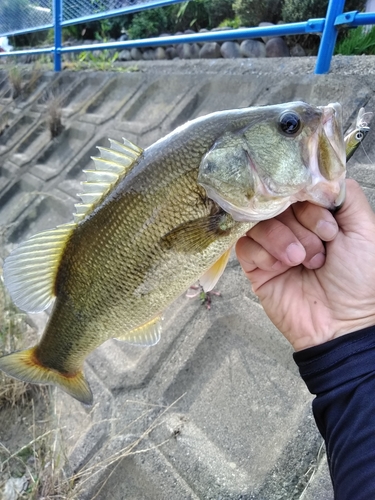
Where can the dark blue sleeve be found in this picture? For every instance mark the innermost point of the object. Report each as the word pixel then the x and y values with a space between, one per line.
pixel 342 375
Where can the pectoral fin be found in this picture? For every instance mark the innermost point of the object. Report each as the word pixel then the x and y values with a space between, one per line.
pixel 212 276
pixel 197 235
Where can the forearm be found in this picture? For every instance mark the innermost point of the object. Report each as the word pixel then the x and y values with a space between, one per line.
pixel 342 375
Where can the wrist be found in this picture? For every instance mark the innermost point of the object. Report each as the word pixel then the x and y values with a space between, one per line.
pixel 339 330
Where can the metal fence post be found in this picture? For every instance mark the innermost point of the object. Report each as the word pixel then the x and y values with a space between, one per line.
pixel 327 43
pixel 57 20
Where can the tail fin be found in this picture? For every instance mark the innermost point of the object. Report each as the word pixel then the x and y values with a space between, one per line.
pixel 25 366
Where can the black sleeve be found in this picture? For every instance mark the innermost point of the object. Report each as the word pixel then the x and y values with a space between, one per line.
pixel 342 375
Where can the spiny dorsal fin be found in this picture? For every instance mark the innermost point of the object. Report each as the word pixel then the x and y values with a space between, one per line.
pixel 30 270
pixel 112 165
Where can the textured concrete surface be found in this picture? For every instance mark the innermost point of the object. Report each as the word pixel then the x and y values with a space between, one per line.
pixel 216 410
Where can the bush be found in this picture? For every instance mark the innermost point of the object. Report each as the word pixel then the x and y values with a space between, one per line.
pixel 230 23
pixel 218 11
pixel 252 12
pixel 189 15
pixel 149 23
pixel 294 11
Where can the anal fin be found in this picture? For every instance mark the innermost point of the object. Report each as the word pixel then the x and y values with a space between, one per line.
pixel 144 335
pixel 212 276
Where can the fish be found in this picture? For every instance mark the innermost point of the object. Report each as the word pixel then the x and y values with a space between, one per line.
pixel 356 135
pixel 153 222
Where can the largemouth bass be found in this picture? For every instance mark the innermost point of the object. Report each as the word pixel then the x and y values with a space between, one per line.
pixel 153 222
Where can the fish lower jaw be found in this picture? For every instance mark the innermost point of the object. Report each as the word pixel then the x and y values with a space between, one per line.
pixel 327 194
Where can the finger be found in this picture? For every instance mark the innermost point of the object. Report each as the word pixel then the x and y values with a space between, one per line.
pixel 356 212
pixel 252 256
pixel 316 219
pixel 313 245
pixel 279 241
pixel 258 265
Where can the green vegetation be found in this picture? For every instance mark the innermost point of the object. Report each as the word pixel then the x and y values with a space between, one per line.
pixel 12 328
pixel 101 60
pixel 191 14
pixel 357 42
pixel 23 82
pixel 252 12
pixel 149 23
pixel 300 10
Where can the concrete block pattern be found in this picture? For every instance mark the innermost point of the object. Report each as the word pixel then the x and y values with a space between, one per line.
pixel 216 410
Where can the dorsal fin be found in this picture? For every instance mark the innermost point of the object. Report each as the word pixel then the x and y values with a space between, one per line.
pixel 112 165
pixel 30 270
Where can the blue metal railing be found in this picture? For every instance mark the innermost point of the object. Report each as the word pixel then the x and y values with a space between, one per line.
pixel 327 26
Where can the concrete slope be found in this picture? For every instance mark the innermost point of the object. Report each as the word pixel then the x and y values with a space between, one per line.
pixel 219 404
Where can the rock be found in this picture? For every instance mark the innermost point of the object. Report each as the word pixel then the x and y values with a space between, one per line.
pixel 183 49
pixel 189 32
pixel 195 48
pixel 277 47
pixel 14 488
pixel 230 50
pixel 149 55
pixel 160 54
pixel 136 54
pixel 221 28
pixel 188 51
pixel 171 53
pixel 210 51
pixel 253 48
pixel 125 55
pixel 297 51
pixel 123 38
pixel 265 25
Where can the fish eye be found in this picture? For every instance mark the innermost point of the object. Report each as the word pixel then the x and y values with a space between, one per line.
pixel 290 123
pixel 359 136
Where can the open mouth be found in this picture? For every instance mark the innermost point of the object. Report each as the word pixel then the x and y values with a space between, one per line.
pixel 332 126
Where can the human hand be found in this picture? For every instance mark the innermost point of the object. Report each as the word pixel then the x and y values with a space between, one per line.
pixel 315 292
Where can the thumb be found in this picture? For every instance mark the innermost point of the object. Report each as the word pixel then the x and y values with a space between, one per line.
pixel 356 212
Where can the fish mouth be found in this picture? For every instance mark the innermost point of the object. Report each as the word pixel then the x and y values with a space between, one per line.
pixel 328 160
pixel 332 126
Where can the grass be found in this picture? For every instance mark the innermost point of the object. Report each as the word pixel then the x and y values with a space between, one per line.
pixel 12 328
pixel 357 42
pixel 23 82
pixel 54 116
pixel 34 443
pixel 42 462
pixel 101 60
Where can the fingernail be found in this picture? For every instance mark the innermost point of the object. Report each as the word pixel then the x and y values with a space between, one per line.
pixel 296 253
pixel 317 261
pixel 326 230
